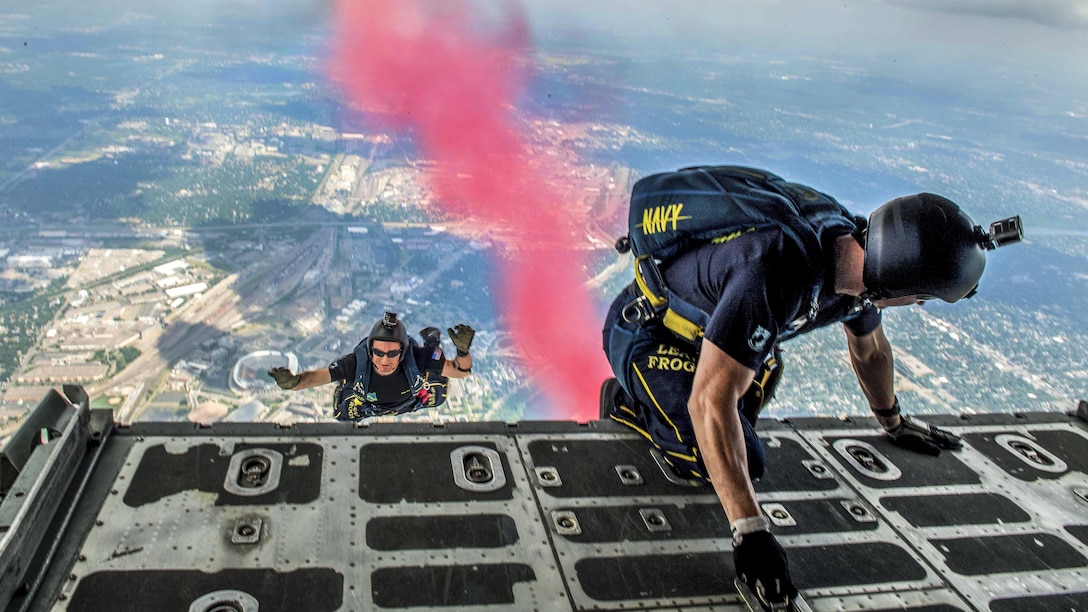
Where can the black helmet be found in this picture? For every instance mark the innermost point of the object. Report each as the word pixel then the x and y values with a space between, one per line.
pixel 923 245
pixel 389 329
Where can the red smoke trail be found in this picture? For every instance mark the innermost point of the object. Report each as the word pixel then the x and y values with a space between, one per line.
pixel 426 71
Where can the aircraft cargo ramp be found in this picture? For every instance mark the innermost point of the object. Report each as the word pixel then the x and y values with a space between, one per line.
pixel 527 516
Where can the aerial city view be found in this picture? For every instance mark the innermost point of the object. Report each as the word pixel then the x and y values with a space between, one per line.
pixel 193 194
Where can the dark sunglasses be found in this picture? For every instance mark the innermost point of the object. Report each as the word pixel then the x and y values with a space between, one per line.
pixel 393 353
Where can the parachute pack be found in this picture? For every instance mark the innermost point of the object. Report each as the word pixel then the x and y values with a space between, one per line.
pixel 673 211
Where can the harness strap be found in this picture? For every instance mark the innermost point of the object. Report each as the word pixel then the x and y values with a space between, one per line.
pixel 678 315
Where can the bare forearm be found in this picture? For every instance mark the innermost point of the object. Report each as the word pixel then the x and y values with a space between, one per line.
pixel 463 363
pixel 313 378
pixel 876 379
pixel 721 441
pixel 874 364
pixel 719 382
pixel 458 367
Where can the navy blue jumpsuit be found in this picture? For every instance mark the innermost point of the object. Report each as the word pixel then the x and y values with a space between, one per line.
pixel 756 289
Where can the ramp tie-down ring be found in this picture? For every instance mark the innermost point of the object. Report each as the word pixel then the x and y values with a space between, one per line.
pixel 477 469
pixel 224 601
pixel 253 472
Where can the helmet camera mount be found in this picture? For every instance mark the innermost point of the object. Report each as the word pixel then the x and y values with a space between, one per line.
pixel 389 320
pixel 1002 233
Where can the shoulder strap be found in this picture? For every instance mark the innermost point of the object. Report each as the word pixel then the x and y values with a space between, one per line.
pixel 411 368
pixel 362 363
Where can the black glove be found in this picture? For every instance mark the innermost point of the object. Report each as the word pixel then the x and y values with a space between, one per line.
pixel 922 438
pixel 761 564
pixel 430 334
pixel 284 378
pixel 461 335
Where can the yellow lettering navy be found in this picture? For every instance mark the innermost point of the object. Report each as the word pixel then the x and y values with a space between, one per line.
pixel 659 218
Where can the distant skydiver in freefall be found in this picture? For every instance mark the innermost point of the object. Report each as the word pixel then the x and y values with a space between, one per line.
pixel 389 372
pixel 729 263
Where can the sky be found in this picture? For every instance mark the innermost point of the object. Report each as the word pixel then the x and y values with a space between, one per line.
pixel 1051 26
pixel 1043 35
pixel 997 29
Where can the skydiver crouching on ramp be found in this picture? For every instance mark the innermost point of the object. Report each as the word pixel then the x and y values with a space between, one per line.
pixel 388 373
pixel 729 263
